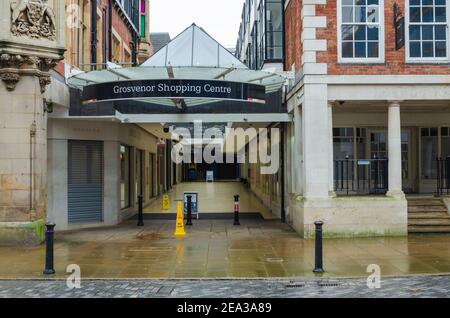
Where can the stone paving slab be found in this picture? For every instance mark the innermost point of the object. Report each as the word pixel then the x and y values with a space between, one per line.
pixel 217 249
pixel 405 287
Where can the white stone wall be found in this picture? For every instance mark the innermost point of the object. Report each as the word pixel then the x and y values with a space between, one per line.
pixel 22 157
pixel 351 216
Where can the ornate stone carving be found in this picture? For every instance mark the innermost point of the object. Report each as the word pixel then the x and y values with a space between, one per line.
pixel 11 79
pixel 10 61
pixel 44 80
pixel 12 67
pixel 33 18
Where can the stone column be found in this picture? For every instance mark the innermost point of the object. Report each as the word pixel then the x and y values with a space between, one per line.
pixel 330 150
pixel 298 155
pixel 316 142
pixel 395 150
pixel 31 44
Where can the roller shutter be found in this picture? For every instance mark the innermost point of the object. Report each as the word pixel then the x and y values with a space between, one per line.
pixel 85 182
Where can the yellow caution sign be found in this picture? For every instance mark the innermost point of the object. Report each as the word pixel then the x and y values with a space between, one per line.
pixel 166 202
pixel 180 221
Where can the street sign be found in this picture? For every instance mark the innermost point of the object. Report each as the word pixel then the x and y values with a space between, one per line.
pixel 194 204
pixel 166 202
pixel 364 163
pixel 209 176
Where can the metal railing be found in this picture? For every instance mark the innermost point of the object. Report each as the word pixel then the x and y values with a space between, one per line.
pixel 361 176
pixel 443 176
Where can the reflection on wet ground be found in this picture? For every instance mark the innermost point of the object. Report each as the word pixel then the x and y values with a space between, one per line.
pixel 217 197
pixel 217 249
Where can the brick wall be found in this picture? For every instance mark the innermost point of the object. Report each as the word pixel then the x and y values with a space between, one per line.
pixel 293 25
pixel 122 29
pixel 394 60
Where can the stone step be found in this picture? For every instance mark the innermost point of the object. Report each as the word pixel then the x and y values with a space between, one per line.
pixel 426 222
pixel 431 208
pixel 429 215
pixel 425 203
pixel 429 229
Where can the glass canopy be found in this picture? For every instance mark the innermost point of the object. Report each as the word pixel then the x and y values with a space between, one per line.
pixel 193 54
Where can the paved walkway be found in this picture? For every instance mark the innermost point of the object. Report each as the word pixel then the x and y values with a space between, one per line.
pixel 423 286
pixel 217 249
pixel 217 197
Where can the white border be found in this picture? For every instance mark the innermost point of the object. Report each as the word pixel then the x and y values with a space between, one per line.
pixel 381 47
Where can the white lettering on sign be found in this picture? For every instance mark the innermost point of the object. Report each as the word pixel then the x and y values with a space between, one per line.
pixel 177 89
pixel 217 89
pixel 133 89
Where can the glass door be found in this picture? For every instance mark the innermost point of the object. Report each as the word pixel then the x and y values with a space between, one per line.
pixel 378 145
pixel 379 150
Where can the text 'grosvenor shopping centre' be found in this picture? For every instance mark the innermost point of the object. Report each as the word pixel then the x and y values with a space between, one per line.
pixel 177 89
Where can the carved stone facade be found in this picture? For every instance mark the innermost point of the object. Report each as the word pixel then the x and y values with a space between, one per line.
pixel 12 67
pixel 33 18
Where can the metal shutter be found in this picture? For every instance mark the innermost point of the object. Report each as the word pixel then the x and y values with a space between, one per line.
pixel 85 181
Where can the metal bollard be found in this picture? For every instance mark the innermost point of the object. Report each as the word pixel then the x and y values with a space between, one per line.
pixel 141 211
pixel 49 240
pixel 236 210
pixel 319 250
pixel 189 210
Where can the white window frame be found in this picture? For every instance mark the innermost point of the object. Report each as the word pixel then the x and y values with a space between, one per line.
pixel 381 39
pixel 426 60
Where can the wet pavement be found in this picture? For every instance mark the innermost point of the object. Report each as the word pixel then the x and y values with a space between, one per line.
pixel 407 287
pixel 217 249
pixel 214 198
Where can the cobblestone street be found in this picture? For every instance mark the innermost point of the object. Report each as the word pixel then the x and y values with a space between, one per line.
pixel 406 287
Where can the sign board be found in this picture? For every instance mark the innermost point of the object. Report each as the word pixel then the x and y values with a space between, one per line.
pixel 363 162
pixel 165 202
pixel 173 89
pixel 209 176
pixel 194 205
pixel 400 33
pixel 399 27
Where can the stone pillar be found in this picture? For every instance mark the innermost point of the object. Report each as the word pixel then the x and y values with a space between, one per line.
pixel 316 141
pixel 330 151
pixel 298 155
pixel 395 150
pixel 31 44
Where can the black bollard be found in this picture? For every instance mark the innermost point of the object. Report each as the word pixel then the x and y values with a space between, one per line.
pixel 49 239
pixel 189 210
pixel 319 250
pixel 236 210
pixel 141 211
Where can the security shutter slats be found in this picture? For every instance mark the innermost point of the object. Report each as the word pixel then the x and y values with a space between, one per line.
pixel 85 181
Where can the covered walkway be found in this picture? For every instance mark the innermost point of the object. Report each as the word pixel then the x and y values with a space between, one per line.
pixel 214 198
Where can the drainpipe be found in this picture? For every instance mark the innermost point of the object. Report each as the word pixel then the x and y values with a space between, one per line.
pixel 110 39
pixel 33 130
pixel 283 175
pixel 134 48
pixel 93 35
pixel 104 38
pixel 135 37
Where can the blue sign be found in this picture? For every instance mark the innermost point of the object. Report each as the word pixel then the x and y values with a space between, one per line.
pixel 364 163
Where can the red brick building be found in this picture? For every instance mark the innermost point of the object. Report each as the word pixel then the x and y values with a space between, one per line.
pixel 370 102
pixel 101 31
